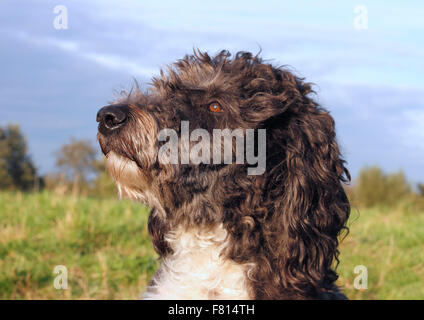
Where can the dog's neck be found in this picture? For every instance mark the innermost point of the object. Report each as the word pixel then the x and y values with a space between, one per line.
pixel 198 269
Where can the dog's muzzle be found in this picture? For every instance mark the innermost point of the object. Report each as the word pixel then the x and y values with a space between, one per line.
pixel 112 118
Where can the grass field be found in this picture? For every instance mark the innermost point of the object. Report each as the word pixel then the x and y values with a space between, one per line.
pixel 105 246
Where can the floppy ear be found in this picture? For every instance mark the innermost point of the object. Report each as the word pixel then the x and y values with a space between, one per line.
pixel 309 203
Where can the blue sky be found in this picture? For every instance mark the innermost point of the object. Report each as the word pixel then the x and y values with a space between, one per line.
pixel 52 82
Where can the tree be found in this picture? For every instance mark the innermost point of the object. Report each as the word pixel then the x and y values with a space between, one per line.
pixel 397 187
pixel 421 189
pixel 370 186
pixel 17 170
pixel 80 171
pixel 77 160
pixel 374 187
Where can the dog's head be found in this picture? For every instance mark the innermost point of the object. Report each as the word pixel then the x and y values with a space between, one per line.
pixel 278 188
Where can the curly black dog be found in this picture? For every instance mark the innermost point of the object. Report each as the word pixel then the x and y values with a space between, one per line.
pixel 221 232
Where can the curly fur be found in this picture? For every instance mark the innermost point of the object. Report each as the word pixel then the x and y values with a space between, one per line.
pixel 281 226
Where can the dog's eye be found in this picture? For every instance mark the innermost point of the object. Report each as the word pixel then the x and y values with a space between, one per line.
pixel 215 107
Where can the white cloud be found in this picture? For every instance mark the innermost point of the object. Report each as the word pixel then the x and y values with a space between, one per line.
pixel 111 61
pixel 115 62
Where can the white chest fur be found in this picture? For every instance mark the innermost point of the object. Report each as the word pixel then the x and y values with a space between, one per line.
pixel 197 269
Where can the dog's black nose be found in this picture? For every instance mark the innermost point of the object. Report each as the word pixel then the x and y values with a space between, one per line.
pixel 111 118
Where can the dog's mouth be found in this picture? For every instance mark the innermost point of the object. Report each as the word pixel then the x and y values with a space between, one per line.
pixel 128 131
pixel 120 166
pixel 105 147
pixel 124 171
pixel 112 146
pixel 102 143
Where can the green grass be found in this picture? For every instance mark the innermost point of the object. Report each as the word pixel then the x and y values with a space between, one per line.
pixel 105 246
pixel 103 243
pixel 390 243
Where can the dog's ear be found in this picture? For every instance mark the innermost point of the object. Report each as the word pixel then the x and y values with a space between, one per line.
pixel 305 172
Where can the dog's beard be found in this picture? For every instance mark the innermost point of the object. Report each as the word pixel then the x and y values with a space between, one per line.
pixel 131 181
pixel 127 175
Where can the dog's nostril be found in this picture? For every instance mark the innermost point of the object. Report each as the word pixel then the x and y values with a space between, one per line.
pixel 112 117
pixel 111 121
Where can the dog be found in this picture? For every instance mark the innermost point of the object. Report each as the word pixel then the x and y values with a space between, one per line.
pixel 220 232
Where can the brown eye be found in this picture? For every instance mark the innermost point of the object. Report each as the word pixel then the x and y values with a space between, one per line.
pixel 215 107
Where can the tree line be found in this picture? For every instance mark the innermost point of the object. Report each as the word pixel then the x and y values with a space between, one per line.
pixel 80 170
pixel 79 167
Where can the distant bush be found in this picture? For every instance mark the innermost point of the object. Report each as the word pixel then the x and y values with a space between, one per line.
pixel 374 187
pixel 103 185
